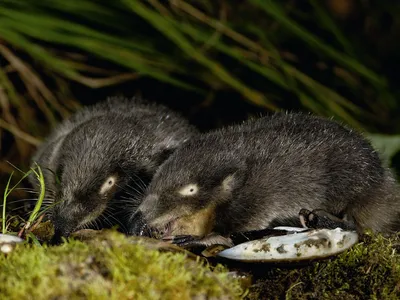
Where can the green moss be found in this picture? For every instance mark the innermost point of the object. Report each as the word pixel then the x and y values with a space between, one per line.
pixel 370 270
pixel 110 268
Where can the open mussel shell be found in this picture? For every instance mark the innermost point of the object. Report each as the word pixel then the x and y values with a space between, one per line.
pixel 8 242
pixel 298 245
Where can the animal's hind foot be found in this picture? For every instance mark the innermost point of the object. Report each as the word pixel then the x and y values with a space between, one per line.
pixel 320 219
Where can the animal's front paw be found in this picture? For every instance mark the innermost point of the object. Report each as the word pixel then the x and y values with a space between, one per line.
pixel 193 241
pixel 184 241
pixel 320 219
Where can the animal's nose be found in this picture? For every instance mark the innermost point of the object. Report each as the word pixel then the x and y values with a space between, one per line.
pixel 59 233
pixel 138 225
pixel 64 225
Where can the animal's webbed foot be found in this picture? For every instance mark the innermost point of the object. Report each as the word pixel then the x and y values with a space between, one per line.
pixel 320 219
pixel 193 241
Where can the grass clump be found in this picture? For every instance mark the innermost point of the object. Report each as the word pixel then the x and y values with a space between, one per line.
pixel 369 270
pixel 108 268
pixel 37 213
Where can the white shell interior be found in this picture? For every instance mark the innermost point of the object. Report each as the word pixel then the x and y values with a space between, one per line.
pixel 8 238
pixel 298 246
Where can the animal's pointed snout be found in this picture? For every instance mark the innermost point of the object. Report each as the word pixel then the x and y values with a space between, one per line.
pixel 61 229
pixel 64 223
pixel 148 205
pixel 139 219
pixel 138 225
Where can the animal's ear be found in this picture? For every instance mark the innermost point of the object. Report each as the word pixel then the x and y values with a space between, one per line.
pixel 163 150
pixel 163 155
pixel 229 183
pixel 230 178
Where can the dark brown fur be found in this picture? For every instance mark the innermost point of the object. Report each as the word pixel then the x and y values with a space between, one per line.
pixel 121 141
pixel 263 172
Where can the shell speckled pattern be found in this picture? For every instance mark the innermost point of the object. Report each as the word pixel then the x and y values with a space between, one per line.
pixel 296 246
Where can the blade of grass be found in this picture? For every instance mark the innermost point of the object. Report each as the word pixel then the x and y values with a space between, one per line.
pixel 35 241
pixel 274 10
pixel 218 25
pixel 38 205
pixel 12 94
pixel 121 56
pixel 59 25
pixel 15 167
pixel 19 181
pixel 7 192
pixel 5 195
pixel 34 84
pixel 278 61
pixel 66 32
pixel 322 94
pixel 311 104
pixel 275 76
pixel 165 26
pixel 37 52
pixel 325 19
pixel 94 14
pixel 7 97
pixel 268 71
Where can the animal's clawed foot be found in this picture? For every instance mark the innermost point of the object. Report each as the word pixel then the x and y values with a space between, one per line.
pixel 193 241
pixel 184 241
pixel 320 219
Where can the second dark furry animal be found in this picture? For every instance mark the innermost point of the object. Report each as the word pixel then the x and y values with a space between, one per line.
pixel 102 152
pixel 262 173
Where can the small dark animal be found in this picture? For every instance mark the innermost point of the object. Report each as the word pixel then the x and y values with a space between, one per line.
pixel 262 173
pixel 101 155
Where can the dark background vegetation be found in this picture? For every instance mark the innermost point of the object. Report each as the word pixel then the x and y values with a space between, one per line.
pixel 217 62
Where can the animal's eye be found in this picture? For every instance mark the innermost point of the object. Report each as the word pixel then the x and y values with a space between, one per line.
pixel 108 184
pixel 189 190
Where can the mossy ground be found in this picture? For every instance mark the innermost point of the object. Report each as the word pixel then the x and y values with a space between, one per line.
pixel 108 268
pixel 111 267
